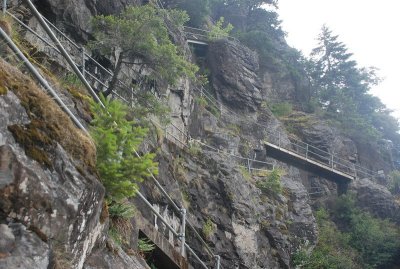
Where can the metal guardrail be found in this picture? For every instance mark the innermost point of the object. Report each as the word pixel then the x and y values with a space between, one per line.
pixel 179 235
pixel 204 35
pixel 210 98
pixel 294 145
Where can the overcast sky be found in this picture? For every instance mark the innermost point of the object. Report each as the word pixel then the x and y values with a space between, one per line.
pixel 370 30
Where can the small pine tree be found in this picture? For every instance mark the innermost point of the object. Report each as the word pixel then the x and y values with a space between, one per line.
pixel 116 139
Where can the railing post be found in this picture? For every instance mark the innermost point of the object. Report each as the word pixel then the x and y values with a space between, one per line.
pixel 248 165
pixel 332 160
pixel 4 6
pixel 83 61
pixel 279 139
pixel 182 234
pixel 62 50
pixel 218 261
pixel 307 151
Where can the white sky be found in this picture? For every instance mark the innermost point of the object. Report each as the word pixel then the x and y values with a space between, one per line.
pixel 370 29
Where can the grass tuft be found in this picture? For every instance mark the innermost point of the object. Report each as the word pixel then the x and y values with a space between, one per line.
pixel 49 125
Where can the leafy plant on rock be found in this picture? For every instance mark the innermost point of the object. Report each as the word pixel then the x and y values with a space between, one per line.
pixel 272 182
pixel 219 31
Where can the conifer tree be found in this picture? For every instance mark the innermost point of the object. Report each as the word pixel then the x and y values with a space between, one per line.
pixel 140 32
pixel 117 140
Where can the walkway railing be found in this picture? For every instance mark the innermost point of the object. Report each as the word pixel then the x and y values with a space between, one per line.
pixel 205 36
pixel 179 234
pixel 96 73
pixel 294 145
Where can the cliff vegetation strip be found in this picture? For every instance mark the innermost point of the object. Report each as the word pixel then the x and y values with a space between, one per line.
pixel 49 125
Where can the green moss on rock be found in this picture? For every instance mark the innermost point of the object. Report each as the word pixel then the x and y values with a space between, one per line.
pixel 49 125
pixel 3 90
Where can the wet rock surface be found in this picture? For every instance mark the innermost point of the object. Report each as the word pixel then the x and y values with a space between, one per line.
pixel 234 70
pixel 59 206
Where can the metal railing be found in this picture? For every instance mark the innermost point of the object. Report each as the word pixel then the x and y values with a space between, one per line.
pixel 310 151
pixel 204 35
pixel 181 234
pixel 296 146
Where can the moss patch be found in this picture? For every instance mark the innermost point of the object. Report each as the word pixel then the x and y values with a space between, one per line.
pixel 3 90
pixel 49 124
pixel 35 142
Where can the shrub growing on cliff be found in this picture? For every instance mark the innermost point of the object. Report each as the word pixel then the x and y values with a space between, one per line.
pixel 281 109
pixel 140 32
pixel 219 31
pixel 355 239
pixel 376 240
pixel 332 251
pixel 116 140
pixel 272 181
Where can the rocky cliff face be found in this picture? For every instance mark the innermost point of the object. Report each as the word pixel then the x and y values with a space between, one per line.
pixel 51 207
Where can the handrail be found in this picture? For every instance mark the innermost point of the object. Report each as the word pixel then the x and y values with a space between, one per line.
pixel 102 83
pixel 218 105
pixel 46 85
pixel 142 197
pixel 62 50
pixel 340 161
pixel 42 81
pixel 368 172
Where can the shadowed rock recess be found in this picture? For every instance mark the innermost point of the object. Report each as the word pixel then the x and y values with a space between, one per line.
pixel 53 211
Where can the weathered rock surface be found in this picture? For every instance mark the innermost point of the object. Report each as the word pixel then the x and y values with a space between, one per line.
pixel 52 215
pixel 249 228
pixel 234 75
pixel 61 206
pixel 106 258
pixel 376 199
pixel 24 248
pixel 74 16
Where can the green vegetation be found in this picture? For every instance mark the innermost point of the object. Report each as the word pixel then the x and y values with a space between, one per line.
pixel 341 89
pixel 201 101
pixel 354 239
pixel 219 31
pixel 71 79
pixel 394 182
pixel 194 149
pixel 123 210
pixel 116 139
pixel 141 32
pixel 119 167
pixel 281 109
pixel 145 245
pixel 197 10
pixel 208 228
pixel 204 104
pixel 271 182
pixel 332 251
pixel 245 173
